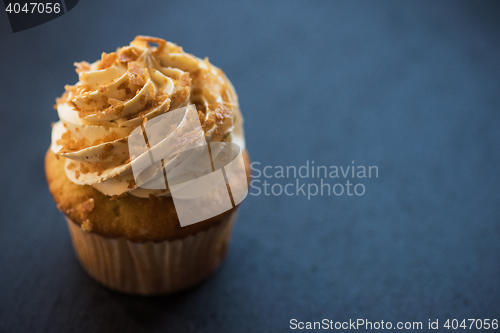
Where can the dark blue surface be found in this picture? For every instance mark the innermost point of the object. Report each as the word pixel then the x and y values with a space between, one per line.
pixel 411 87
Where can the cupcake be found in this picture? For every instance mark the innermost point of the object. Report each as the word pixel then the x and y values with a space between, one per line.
pixel 148 165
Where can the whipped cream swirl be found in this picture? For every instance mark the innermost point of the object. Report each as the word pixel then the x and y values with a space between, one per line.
pixel 122 91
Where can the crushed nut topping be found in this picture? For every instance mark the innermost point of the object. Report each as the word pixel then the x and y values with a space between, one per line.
pixel 129 86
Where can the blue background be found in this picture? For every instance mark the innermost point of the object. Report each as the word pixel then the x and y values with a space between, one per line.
pixel 411 87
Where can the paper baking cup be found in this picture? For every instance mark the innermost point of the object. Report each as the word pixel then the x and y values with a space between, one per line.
pixel 152 268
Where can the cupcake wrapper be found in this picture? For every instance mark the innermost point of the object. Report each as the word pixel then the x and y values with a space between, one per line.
pixel 152 268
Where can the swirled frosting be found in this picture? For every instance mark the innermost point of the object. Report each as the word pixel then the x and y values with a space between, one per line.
pixel 124 89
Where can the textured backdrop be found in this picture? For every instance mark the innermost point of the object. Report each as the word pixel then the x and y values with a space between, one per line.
pixel 411 87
